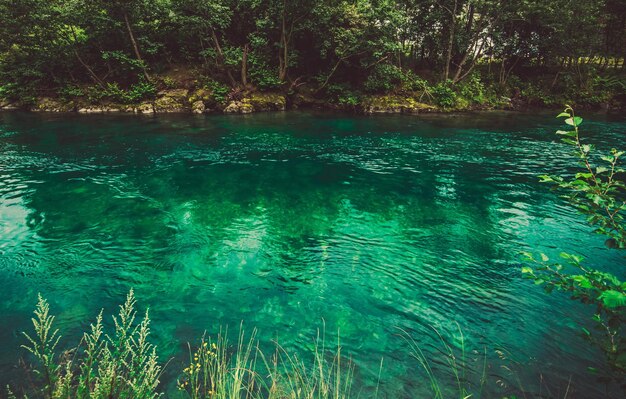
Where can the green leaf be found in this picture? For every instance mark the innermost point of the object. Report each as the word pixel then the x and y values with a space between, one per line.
pixel 545 178
pixel 601 169
pixel 582 281
pixel 575 121
pixel 563 115
pixel 613 299
pixel 582 175
pixel 527 255
pixel 527 270
pixel 544 257
pixel 570 133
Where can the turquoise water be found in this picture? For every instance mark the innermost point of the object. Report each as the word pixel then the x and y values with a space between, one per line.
pixel 292 222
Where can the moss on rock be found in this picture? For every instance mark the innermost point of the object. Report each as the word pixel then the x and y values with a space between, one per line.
pixel 394 104
pixel 268 101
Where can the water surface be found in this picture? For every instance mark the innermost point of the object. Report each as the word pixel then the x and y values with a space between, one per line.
pixel 292 222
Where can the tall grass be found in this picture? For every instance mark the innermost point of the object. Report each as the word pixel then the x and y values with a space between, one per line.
pixel 118 365
pixel 124 364
pixel 456 364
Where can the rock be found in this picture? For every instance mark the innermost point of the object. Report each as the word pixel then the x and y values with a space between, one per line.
pixel 6 104
pixel 394 105
pixel 47 104
pixel 174 100
pixel 100 109
pixel 198 107
pixel 239 107
pixel 201 95
pixel 145 108
pixel 268 102
pixel 178 94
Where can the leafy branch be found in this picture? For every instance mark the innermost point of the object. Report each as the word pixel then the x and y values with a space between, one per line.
pixel 599 194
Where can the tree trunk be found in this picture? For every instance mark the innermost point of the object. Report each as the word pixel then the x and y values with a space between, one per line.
pixel 220 58
pixel 446 74
pixel 135 46
pixel 92 74
pixel 283 52
pixel 244 65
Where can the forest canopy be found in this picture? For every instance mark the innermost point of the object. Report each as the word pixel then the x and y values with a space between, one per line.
pixel 53 46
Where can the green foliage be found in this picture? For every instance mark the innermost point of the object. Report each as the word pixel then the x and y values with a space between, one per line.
pixel 411 82
pixel 263 77
pixel 219 91
pixel 70 92
pixel 383 78
pixel 473 89
pixel 343 95
pixel 444 95
pixel 136 93
pixel 120 365
pixel 123 364
pixel 370 44
pixel 597 193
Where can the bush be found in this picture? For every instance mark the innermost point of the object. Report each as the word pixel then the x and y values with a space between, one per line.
pixel 473 89
pixel 69 92
pixel 384 78
pixel 138 92
pixel 444 95
pixel 265 79
pixel 412 82
pixel 219 91
pixel 343 95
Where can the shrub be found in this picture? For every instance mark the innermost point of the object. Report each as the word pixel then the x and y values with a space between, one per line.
pixel 383 78
pixel 137 92
pixel 473 89
pixel 343 95
pixel 69 92
pixel 219 91
pixel 412 82
pixel 444 95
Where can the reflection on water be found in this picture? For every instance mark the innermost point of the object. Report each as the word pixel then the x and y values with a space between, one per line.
pixel 294 221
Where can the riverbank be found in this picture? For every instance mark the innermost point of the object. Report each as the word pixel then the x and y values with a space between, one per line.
pixel 203 101
pixel 183 101
pixel 180 93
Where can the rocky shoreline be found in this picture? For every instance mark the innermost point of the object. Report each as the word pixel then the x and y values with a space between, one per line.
pixel 202 101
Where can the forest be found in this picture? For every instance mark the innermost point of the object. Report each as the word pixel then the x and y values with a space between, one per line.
pixel 448 53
